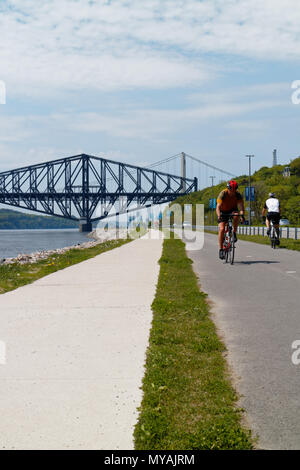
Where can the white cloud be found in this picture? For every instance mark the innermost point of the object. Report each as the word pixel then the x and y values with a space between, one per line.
pixel 20 157
pixel 257 126
pixel 14 128
pixel 155 124
pixel 12 156
pixel 69 44
pixel 277 91
pixel 64 45
pixel 135 122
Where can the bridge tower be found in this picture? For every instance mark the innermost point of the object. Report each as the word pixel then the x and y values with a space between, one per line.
pixel 183 171
pixel 85 224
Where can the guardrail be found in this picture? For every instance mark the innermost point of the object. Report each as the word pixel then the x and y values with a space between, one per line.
pixel 285 232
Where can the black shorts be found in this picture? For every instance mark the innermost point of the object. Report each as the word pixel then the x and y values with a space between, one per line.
pixel 224 216
pixel 274 216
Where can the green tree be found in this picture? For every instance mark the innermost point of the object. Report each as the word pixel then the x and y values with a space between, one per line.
pixel 292 210
pixel 295 166
pixel 261 192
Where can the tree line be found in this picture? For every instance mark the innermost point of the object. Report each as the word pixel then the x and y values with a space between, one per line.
pixel 265 180
pixel 13 220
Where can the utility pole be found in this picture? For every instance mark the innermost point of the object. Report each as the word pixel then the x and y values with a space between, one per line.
pixel 249 212
pixel 212 197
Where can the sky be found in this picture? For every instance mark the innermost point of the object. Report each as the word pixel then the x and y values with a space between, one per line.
pixel 139 81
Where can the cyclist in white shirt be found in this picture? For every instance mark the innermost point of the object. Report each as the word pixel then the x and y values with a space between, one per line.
pixel 272 205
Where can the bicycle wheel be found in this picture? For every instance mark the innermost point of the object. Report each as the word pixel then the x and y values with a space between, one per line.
pixel 231 249
pixel 273 238
pixel 226 246
pixel 276 238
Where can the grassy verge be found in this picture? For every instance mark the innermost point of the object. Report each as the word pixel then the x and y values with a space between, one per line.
pixel 188 400
pixel 16 275
pixel 284 243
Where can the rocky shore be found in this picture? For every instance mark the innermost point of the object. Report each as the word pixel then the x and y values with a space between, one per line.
pixel 98 236
pixel 110 234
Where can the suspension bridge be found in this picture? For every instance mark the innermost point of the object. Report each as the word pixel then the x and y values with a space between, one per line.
pixel 87 188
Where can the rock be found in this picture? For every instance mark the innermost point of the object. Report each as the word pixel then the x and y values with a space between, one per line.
pixel 109 234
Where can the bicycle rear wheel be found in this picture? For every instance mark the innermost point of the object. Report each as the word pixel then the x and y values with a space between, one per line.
pixel 273 238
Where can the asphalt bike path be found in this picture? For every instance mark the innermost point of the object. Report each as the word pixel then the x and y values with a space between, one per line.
pixel 256 307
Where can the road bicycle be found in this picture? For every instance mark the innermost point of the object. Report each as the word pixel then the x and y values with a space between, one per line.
pixel 228 244
pixel 274 237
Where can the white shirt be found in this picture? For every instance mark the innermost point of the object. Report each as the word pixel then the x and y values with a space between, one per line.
pixel 272 204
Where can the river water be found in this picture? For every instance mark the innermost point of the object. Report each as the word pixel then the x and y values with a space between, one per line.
pixel 14 242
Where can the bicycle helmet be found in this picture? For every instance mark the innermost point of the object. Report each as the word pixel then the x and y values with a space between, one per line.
pixel 271 194
pixel 232 185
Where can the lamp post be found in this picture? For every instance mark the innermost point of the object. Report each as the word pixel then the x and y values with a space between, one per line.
pixel 249 212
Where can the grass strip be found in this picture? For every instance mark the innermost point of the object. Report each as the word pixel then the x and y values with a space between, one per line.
pixel 16 275
pixel 188 400
pixel 287 243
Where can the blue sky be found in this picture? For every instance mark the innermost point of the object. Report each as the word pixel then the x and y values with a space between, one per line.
pixel 139 81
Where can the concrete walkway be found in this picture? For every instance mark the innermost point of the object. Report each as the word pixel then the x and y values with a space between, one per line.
pixel 76 343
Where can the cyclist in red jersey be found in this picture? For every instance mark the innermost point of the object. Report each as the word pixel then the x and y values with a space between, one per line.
pixel 229 200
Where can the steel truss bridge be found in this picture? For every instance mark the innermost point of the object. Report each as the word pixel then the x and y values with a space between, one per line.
pixel 86 188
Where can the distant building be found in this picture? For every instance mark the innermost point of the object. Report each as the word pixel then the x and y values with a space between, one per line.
pixel 274 157
pixel 287 172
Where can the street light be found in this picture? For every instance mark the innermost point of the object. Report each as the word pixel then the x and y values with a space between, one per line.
pixel 249 212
